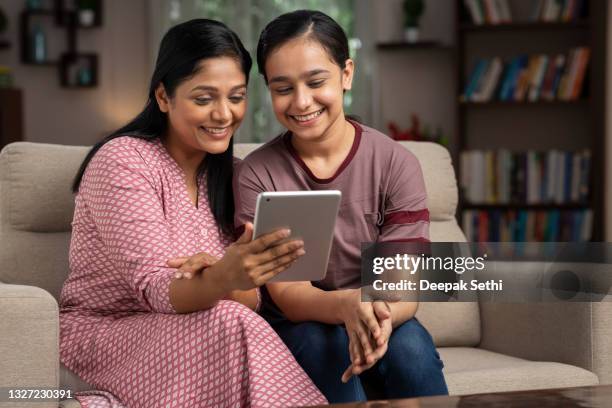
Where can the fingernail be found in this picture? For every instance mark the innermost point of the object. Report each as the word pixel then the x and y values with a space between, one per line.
pixel 286 232
pixel 301 252
pixel 178 275
pixel 188 275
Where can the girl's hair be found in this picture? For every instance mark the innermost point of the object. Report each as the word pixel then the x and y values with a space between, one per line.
pixel 182 49
pixel 315 24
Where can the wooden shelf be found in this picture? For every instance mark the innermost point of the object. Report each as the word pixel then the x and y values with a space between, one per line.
pixel 421 45
pixel 525 206
pixel 525 26
pixel 577 102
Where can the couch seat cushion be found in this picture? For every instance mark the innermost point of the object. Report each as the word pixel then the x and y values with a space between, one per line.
pixel 471 370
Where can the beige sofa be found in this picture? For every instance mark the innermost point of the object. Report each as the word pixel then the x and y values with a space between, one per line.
pixel 485 347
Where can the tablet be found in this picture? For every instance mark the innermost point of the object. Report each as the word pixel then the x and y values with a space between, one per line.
pixel 311 217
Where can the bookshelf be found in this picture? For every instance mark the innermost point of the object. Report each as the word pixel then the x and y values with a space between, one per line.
pixel 571 125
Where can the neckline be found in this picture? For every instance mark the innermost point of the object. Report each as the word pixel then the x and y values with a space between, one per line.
pixel 182 179
pixel 347 160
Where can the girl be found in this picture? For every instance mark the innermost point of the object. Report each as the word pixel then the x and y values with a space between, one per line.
pixel 303 57
pixel 155 189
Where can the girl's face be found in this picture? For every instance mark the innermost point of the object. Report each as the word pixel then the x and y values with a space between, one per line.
pixel 207 108
pixel 307 87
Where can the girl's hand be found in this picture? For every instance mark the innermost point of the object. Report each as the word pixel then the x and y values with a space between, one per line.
pixel 358 365
pixel 361 323
pixel 248 264
pixel 189 266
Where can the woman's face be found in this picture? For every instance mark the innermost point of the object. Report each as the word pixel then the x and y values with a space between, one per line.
pixel 207 108
pixel 307 87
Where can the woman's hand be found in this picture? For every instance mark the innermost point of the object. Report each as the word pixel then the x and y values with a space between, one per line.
pixel 189 266
pixel 248 264
pixel 380 343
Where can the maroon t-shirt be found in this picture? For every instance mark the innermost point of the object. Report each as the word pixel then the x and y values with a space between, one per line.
pixel 383 195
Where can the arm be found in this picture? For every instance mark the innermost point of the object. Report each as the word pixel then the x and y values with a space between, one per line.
pixel 118 190
pixel 295 299
pixel 406 217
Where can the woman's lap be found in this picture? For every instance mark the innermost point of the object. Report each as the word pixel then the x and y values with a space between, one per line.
pixel 227 354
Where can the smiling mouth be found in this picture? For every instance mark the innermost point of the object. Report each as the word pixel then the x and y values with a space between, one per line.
pixel 306 118
pixel 216 131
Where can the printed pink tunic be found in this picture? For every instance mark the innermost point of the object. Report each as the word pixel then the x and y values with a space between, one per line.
pixel 118 329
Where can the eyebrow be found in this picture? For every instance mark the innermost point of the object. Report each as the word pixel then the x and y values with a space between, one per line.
pixel 213 89
pixel 304 75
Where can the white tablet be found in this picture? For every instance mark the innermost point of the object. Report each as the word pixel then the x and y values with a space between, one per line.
pixel 311 216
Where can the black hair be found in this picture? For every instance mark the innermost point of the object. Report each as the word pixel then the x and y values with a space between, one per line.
pixel 316 24
pixel 181 50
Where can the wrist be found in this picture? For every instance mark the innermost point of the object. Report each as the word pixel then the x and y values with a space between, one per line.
pixel 344 303
pixel 218 279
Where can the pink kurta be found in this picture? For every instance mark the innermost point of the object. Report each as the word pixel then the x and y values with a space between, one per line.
pixel 118 329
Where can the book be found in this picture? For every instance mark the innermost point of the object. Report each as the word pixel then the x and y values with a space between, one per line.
pixel 475 11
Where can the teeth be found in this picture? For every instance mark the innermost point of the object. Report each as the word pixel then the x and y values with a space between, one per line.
pixel 304 118
pixel 215 130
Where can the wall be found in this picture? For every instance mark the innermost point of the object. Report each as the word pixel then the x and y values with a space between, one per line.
pixel 411 80
pixel 67 116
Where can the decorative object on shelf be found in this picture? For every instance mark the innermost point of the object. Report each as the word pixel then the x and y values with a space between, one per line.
pixel 79 70
pixel 38 47
pixel 86 12
pixel 6 79
pixel 413 10
pixel 34 4
pixel 415 133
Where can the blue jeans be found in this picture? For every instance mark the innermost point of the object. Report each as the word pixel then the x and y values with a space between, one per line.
pixel 411 367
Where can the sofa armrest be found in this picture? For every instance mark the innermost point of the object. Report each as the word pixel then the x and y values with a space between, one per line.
pixel 29 338
pixel 576 333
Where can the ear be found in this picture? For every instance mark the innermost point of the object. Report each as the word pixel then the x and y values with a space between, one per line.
pixel 347 74
pixel 162 98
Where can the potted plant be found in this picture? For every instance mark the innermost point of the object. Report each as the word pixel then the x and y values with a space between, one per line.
pixel 413 10
pixel 86 11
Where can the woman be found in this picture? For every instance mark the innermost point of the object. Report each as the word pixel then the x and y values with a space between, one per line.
pixel 156 196
pixel 304 58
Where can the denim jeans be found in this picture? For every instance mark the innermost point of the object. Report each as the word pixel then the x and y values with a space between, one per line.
pixel 411 367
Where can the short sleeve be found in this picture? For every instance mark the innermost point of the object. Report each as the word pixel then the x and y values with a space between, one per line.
pixel 128 214
pixel 406 217
pixel 247 187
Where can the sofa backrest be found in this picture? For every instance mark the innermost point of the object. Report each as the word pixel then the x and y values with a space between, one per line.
pixel 36 208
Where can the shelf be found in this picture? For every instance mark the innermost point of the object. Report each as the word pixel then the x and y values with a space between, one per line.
pixel 70 66
pixel 579 102
pixel 421 45
pixel 519 206
pixel 525 26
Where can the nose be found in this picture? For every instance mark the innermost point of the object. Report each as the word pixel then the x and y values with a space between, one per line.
pixel 221 112
pixel 302 98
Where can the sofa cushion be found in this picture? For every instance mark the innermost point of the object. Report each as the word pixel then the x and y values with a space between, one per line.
pixel 36 179
pixel 71 381
pixel 473 371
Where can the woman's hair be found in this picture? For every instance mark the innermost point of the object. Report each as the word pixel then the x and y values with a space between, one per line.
pixel 315 24
pixel 182 49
